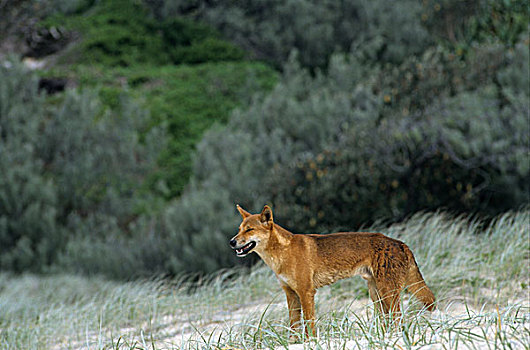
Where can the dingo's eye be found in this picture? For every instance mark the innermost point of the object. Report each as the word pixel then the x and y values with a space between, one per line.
pixel 249 229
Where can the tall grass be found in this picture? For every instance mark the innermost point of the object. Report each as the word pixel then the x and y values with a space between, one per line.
pixel 479 273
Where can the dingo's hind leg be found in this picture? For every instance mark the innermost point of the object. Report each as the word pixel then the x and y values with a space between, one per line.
pixel 386 298
pixel 307 300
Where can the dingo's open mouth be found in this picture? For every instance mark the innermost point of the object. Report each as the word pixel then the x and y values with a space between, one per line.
pixel 244 250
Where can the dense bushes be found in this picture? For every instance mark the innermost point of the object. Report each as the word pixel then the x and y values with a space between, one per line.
pixel 330 153
pixel 122 33
pixel 28 231
pixel 464 153
pixel 459 155
pixel 461 24
pixel 381 111
pixel 384 31
pixel 185 99
pixel 181 71
pixel 71 169
pixel 188 42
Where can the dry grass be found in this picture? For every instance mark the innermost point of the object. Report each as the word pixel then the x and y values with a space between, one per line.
pixel 479 274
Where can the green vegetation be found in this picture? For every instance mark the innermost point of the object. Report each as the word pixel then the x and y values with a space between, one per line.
pixel 185 99
pixel 348 155
pixel 172 113
pixel 68 169
pixel 123 50
pixel 384 32
pixel 374 112
pixel 476 270
pixel 122 33
pixel 461 25
pixel 379 31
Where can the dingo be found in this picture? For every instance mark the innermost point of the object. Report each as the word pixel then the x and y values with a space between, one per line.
pixel 305 262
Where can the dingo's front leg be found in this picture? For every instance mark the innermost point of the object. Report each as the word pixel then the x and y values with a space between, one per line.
pixel 295 310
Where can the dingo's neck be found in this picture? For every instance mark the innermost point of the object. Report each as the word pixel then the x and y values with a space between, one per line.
pixel 278 241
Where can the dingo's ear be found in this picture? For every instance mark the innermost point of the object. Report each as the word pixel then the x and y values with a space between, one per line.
pixel 266 216
pixel 244 214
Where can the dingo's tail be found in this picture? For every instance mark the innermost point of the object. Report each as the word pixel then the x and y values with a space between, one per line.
pixel 416 285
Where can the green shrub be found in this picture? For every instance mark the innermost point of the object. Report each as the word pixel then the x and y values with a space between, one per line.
pixel 185 99
pixel 330 153
pixel 103 167
pixel 122 33
pixel 462 23
pixel 115 255
pixel 464 154
pixel 191 43
pixel 29 235
pixel 115 33
pixel 96 156
pixel 382 31
pixel 67 168
pixel 124 51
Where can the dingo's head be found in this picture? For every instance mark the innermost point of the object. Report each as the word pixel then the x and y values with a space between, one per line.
pixel 253 232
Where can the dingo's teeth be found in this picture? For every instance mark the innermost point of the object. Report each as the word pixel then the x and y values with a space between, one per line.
pixel 244 250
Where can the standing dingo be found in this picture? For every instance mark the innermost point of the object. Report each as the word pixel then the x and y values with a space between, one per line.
pixel 304 262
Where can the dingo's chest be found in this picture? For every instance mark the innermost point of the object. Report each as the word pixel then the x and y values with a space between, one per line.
pixel 283 279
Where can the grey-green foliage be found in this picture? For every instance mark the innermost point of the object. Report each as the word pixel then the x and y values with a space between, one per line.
pixel 382 30
pixel 28 230
pixel 301 116
pixel 463 23
pixel 329 153
pixel 96 156
pixel 234 163
pixel 70 171
pixel 464 154
pixel 101 165
pixel 513 81
pixel 467 152
pixel 66 6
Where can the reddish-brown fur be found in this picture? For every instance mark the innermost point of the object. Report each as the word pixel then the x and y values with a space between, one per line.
pixel 305 262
